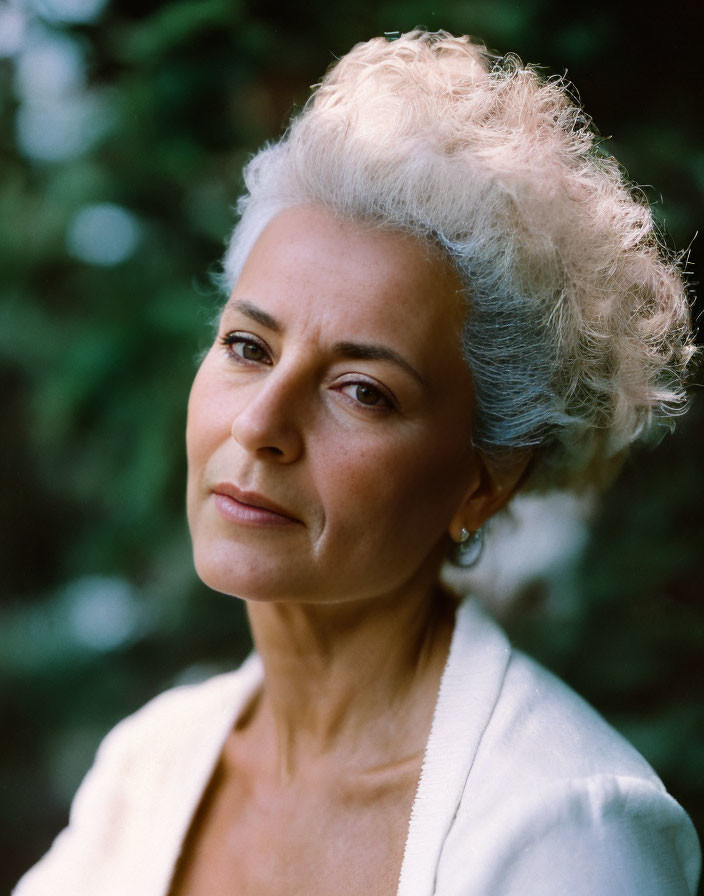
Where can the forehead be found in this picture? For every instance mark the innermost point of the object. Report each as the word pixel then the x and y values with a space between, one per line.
pixel 310 263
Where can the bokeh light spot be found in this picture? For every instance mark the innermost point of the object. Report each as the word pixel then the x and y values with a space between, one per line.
pixel 70 11
pixel 103 234
pixel 103 613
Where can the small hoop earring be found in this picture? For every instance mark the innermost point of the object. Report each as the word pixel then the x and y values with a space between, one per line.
pixel 468 549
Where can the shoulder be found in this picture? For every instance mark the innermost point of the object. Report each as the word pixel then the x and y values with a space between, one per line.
pixel 149 774
pixel 534 729
pixel 518 719
pixel 180 714
pixel 606 834
pixel 551 732
pixel 173 740
pixel 556 800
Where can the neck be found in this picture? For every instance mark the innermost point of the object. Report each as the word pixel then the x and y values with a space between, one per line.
pixel 353 682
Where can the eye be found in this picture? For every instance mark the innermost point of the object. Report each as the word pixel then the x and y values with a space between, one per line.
pixel 245 347
pixel 367 394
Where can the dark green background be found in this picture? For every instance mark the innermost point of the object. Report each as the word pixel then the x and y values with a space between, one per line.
pixel 96 361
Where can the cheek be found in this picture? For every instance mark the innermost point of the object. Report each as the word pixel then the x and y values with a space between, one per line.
pixel 205 430
pixel 206 420
pixel 407 491
pixel 436 478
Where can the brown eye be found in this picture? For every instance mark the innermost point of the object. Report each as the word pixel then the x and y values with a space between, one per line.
pixel 251 351
pixel 368 395
pixel 241 347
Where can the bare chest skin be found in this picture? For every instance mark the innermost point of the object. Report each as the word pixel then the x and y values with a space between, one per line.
pixel 325 832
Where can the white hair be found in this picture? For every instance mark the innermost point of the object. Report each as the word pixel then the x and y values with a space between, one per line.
pixel 577 332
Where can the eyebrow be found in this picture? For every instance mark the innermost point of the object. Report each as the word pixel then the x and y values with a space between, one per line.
pixel 254 313
pixel 359 351
pixel 363 351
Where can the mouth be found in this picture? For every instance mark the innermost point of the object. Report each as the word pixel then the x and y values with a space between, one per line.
pixel 250 507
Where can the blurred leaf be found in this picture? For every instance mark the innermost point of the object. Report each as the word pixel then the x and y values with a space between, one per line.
pixel 175 24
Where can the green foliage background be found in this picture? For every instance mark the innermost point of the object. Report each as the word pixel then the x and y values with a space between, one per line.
pixel 96 362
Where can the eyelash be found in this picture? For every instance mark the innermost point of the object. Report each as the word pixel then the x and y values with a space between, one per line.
pixel 230 340
pixel 385 404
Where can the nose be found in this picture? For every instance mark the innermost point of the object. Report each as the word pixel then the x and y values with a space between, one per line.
pixel 269 423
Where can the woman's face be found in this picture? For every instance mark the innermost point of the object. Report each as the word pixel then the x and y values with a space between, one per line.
pixel 329 425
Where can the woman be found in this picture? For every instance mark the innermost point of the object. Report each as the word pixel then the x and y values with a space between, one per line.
pixel 439 294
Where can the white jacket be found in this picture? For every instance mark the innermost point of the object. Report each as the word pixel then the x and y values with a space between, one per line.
pixel 525 791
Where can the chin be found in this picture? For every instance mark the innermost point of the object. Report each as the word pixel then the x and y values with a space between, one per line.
pixel 241 587
pixel 234 572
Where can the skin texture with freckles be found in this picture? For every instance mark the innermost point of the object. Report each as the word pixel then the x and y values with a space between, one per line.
pixel 329 449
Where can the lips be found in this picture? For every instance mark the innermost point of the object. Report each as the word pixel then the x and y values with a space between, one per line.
pixel 258 505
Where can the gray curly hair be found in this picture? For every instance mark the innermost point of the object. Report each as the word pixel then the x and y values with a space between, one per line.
pixel 578 326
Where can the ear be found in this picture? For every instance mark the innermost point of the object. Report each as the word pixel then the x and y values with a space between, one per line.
pixel 497 481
